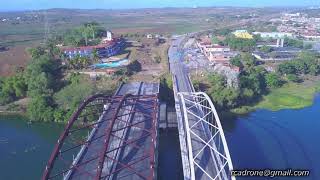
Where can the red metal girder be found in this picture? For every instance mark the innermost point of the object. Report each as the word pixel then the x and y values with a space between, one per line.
pixel 127 167
pixel 132 125
pixel 57 147
pixel 108 133
pixel 123 167
pixel 125 103
pixel 128 143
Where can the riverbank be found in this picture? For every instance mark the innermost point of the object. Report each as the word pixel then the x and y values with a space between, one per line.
pixel 289 96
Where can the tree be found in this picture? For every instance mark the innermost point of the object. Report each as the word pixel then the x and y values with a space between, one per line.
pixel 92 27
pixel 70 96
pixel 236 61
pixel 40 84
pixel 157 59
pixel 314 69
pixel 134 67
pixel 12 88
pixel 240 44
pixel 215 40
pixel 42 76
pixel 85 31
pixel 293 78
pixel 266 49
pixel 52 49
pixel 307 46
pixel 273 80
pixel 286 68
pixel 95 55
pixel 249 61
pixel 293 43
pixel 223 96
pixel 36 52
pixel 300 66
pixel 39 109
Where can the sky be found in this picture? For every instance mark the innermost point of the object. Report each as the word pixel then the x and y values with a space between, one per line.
pixel 13 5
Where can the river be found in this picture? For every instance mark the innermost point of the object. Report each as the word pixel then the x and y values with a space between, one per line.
pixel 25 148
pixel 277 140
pixel 262 139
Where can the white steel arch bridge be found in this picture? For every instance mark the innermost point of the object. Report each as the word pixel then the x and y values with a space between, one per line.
pixel 207 150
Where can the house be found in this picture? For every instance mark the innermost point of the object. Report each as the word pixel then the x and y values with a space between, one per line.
pixel 221 57
pixel 215 52
pixel 243 34
pixel 207 47
pixel 149 36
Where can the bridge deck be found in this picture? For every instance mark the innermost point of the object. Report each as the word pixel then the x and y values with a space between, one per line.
pixel 206 158
pixel 113 165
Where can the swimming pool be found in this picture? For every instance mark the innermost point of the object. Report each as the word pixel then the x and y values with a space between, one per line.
pixel 110 64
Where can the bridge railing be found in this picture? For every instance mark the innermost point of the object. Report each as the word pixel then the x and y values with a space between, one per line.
pixel 81 131
pixel 208 152
pixel 75 136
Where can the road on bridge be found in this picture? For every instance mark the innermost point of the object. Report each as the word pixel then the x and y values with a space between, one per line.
pixel 207 161
pixel 122 142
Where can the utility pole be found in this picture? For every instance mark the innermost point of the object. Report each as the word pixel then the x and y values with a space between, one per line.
pixel 46 27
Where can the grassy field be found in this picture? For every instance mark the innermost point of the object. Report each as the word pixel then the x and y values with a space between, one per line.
pixel 290 96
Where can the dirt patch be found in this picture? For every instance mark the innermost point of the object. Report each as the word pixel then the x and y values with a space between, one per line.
pixel 12 58
pixel 143 30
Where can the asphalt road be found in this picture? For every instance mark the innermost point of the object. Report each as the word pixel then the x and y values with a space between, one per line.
pixel 206 159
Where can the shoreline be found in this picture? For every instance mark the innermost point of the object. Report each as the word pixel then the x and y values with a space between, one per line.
pixel 4 113
pixel 289 96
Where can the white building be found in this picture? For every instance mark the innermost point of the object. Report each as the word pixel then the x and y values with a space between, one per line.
pixel 274 35
pixel 149 36
pixel 292 14
pixel 109 36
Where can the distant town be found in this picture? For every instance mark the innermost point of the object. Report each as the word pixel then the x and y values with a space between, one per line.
pixel 149 93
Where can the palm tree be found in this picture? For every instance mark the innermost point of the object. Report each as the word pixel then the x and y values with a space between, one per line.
pixel 92 27
pixel 84 62
pixel 85 31
pixel 95 55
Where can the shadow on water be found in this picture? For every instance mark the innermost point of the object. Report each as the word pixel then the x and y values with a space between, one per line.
pixel 169 156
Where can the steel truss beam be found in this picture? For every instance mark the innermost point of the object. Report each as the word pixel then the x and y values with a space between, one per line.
pixel 206 143
pixel 124 109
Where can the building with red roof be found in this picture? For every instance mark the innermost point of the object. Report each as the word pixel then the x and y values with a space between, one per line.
pixel 106 49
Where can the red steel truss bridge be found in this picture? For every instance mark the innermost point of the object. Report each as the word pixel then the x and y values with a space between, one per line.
pixel 110 137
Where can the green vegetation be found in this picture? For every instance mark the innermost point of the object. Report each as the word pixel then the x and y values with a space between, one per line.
pixel 293 43
pixel 12 88
pixel 240 44
pixel 215 40
pixel 79 62
pixel 261 89
pixel 266 49
pixel 252 85
pixel 273 80
pixel 133 67
pixel 305 63
pixel 236 61
pixel 52 97
pixel 87 34
pixel 289 96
